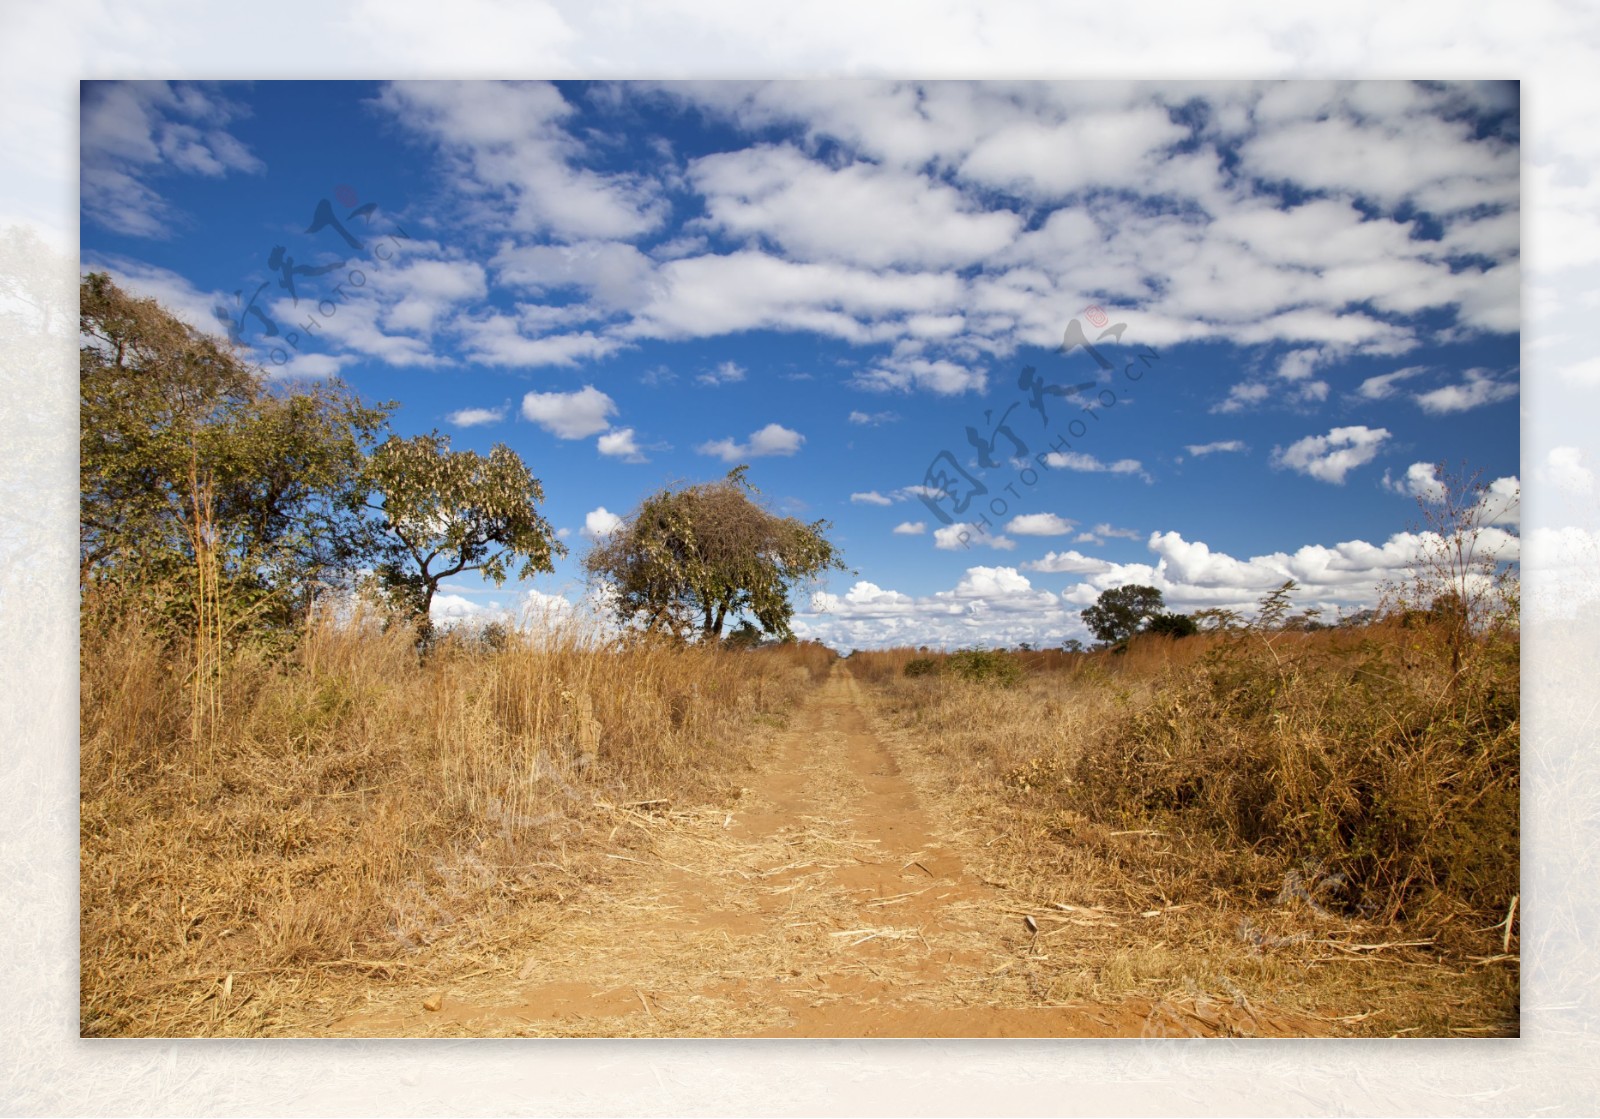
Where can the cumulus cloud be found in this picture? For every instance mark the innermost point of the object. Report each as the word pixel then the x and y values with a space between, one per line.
pixel 910 528
pixel 1039 524
pixel 1088 464
pixel 1225 445
pixel 998 605
pixel 1328 458
pixel 599 523
pixel 1100 533
pixel 1476 390
pixel 872 419
pixel 476 417
pixel 960 536
pixel 570 415
pixel 515 162
pixel 871 497
pixel 1421 480
pixel 871 237
pixel 726 373
pixel 1069 563
pixel 1564 468
pixel 1382 387
pixel 774 439
pixel 939 376
pixel 862 212
pixel 620 444
pixel 131 133
pixel 1244 395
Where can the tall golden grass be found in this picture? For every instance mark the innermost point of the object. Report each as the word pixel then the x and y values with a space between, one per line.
pixel 1348 774
pixel 348 806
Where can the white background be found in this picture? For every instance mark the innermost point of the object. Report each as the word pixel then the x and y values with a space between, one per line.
pixel 45 1069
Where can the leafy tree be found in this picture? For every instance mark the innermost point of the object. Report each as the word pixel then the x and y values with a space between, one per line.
pixel 1072 645
pixel 1172 625
pixel 1119 612
pixel 689 560
pixel 189 456
pixel 449 512
pixel 745 636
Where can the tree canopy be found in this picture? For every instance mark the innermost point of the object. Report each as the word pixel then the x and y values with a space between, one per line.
pixel 1120 612
pixel 455 511
pixel 183 444
pixel 691 559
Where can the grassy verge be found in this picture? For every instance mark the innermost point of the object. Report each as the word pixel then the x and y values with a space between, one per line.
pixel 1325 820
pixel 256 846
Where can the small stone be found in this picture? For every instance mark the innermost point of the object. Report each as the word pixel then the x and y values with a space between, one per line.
pixel 432 1002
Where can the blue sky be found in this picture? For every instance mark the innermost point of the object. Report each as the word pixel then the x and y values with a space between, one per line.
pixel 1316 285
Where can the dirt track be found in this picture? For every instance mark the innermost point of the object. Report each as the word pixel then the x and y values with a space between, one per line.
pixel 827 903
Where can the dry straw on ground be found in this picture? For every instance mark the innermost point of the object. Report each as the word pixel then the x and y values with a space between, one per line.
pixel 1329 819
pixel 349 811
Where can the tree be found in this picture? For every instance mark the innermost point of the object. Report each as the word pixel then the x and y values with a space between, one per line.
pixel 692 559
pixel 1119 612
pixel 190 459
pixel 449 512
pixel 1072 645
pixel 1172 625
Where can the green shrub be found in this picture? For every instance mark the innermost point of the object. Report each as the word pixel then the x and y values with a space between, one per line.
pixel 922 666
pixel 986 665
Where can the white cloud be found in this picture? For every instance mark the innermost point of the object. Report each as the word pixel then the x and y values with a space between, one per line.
pixel 519 168
pixel 599 523
pixel 997 605
pixel 1421 480
pixel 1382 387
pixel 910 528
pixel 620 444
pixel 1100 533
pixel 1039 524
pixel 960 536
pixel 873 419
pixel 498 339
pixel 1475 391
pixel 1564 468
pixel 865 225
pixel 861 213
pixel 871 497
pixel 946 378
pixel 570 415
pixel 1088 464
pixel 1068 562
pixel 724 374
pixel 614 275
pixel 1501 503
pixel 774 439
pixel 1225 445
pixel 131 132
pixel 1242 396
pixel 1330 457
pixel 476 417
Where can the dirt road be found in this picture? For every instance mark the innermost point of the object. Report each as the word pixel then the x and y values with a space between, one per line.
pixel 827 903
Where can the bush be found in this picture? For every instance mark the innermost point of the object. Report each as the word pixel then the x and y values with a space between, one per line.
pixel 1341 757
pixel 922 666
pixel 1172 625
pixel 983 665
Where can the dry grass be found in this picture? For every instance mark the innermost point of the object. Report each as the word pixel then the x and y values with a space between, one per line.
pixel 1283 805
pixel 348 812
